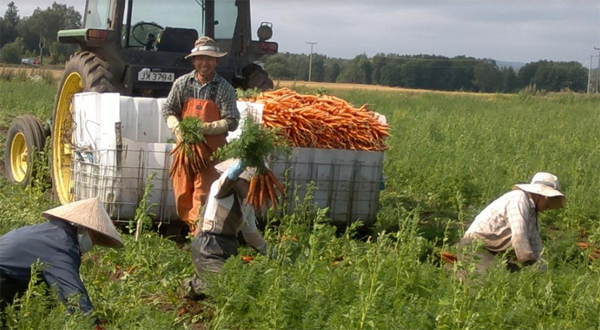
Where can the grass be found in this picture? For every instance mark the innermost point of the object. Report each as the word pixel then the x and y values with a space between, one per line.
pixel 449 156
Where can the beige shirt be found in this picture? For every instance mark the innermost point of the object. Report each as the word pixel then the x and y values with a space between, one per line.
pixel 509 221
pixel 228 216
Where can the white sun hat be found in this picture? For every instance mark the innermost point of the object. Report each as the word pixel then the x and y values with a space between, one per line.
pixel 89 213
pixel 545 184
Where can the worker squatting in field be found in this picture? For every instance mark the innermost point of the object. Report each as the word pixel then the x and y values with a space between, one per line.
pixel 510 224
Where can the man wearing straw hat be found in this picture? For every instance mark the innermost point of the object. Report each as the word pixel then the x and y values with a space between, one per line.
pixel 204 94
pixel 58 244
pixel 224 216
pixel 510 223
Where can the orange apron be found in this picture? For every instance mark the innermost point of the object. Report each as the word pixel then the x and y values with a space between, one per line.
pixel 191 192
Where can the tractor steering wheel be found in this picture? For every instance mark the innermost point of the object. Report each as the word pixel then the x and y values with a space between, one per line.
pixel 141 30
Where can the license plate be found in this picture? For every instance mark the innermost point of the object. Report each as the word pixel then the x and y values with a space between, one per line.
pixel 156 76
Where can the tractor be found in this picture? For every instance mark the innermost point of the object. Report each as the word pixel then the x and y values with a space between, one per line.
pixel 136 48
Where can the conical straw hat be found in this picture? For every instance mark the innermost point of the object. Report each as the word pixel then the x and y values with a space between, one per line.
pixel 89 213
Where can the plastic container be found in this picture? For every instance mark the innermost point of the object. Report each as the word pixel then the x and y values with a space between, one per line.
pixel 120 142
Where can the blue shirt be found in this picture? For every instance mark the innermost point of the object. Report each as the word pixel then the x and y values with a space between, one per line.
pixel 55 244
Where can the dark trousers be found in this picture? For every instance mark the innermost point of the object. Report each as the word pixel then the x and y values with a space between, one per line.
pixel 209 253
pixel 9 288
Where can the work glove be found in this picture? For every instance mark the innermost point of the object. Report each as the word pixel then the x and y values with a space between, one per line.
pixel 234 170
pixel 173 125
pixel 216 127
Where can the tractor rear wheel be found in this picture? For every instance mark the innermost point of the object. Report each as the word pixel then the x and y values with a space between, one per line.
pixel 24 140
pixel 84 72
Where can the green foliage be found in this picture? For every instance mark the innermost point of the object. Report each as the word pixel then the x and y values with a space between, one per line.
pixel 191 130
pixel 248 93
pixel 450 155
pixel 143 217
pixel 254 145
pixel 11 52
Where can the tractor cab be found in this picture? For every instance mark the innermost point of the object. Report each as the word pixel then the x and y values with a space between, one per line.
pixel 144 42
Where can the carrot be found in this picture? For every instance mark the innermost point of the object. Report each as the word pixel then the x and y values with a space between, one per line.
pixel 306 120
pixel 271 190
pixel 277 183
pixel 262 190
pixel 251 190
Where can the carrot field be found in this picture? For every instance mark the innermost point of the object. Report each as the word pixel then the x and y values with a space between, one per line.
pixel 449 156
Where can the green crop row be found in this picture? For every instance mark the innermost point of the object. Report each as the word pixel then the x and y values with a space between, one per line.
pixel 449 155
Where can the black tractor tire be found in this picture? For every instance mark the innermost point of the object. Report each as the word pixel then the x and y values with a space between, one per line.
pixel 84 72
pixel 24 140
pixel 256 77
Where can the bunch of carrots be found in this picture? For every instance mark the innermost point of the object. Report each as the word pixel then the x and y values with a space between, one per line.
pixel 322 121
pixel 263 189
pixel 191 155
pixel 254 145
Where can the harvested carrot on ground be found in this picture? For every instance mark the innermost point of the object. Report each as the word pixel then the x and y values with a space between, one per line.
pixel 191 154
pixel 322 121
pixel 254 145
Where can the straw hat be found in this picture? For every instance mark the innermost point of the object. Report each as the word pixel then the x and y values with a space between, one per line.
pixel 224 165
pixel 89 213
pixel 206 46
pixel 545 184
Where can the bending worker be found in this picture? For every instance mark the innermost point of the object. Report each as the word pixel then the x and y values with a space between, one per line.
pixel 58 244
pixel 511 223
pixel 204 94
pixel 225 215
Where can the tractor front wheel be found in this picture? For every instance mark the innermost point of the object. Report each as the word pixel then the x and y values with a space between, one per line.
pixel 84 72
pixel 25 138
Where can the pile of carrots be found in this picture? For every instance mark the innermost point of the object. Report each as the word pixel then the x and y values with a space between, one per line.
pixel 263 188
pixel 324 121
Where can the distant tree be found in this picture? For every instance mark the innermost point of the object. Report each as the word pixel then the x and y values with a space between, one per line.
pixel 357 71
pixel 277 67
pixel 487 76
pixel 43 26
pixel 510 82
pixel 8 24
pixel 462 73
pixel 12 52
pixel 526 73
pixel 411 74
pixel 318 67
pixel 377 63
pixel 391 74
pixel 332 70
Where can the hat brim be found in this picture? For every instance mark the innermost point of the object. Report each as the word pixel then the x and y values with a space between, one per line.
pixel 556 199
pixel 88 213
pixel 224 165
pixel 206 53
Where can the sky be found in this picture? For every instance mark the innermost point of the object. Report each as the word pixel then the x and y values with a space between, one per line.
pixel 505 30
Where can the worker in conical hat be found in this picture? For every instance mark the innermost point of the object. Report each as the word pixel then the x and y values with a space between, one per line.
pixel 71 230
pixel 509 225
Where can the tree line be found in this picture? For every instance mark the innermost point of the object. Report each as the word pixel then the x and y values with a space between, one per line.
pixel 36 34
pixel 433 72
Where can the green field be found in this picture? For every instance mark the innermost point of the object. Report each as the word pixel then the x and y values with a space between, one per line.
pixel 450 155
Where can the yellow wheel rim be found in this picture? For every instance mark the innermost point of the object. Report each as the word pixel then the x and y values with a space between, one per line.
pixel 19 157
pixel 62 137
